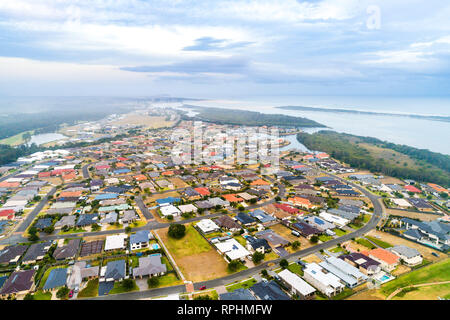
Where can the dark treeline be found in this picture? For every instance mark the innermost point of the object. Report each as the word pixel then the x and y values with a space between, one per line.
pixel 249 118
pixel 45 122
pixel 432 167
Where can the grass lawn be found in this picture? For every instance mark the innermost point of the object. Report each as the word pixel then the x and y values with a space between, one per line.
pixel 138 224
pixel 169 279
pixel 192 243
pixel 241 240
pixel 366 218
pixel 379 242
pixel 120 288
pixel 436 272
pixel 90 291
pixel 295 268
pixel 41 295
pixel 325 238
pixel 270 256
pixel 166 261
pixel 241 268
pixel 339 232
pixel 72 231
pixel 425 293
pixel 344 294
pixel 337 249
pixel 364 242
pixel 212 294
pixel 245 284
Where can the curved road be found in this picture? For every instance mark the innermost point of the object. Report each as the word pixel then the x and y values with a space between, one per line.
pixel 151 293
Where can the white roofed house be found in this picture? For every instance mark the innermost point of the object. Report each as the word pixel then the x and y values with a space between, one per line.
pixel 116 242
pixel 324 281
pixel 187 208
pixel 296 284
pixel 232 249
pixel 207 226
pixel 340 221
pixel 168 209
pixel 350 275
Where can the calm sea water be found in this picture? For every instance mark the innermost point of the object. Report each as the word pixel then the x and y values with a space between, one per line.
pixel 419 133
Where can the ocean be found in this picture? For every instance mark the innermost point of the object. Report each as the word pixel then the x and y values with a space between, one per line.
pixel 420 133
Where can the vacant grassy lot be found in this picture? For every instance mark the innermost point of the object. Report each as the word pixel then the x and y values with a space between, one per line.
pixel 285 232
pixel 379 242
pixel 196 258
pixel 394 240
pixel 412 215
pixel 434 273
pixel 142 120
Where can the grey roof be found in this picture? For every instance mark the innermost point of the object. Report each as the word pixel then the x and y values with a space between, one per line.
pixel 18 281
pixel 68 221
pixel 67 251
pixel 269 291
pixel 238 294
pixel 12 252
pixel 140 236
pixel 87 219
pixel 115 270
pixel 272 237
pixel 57 278
pixel 43 223
pixel 405 251
pixel 150 265
pixel 36 251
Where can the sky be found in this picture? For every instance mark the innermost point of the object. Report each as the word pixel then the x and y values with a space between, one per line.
pixel 224 48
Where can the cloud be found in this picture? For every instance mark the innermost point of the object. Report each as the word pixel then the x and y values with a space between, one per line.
pixel 212 44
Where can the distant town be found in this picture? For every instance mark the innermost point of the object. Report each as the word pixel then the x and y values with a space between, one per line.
pixel 102 211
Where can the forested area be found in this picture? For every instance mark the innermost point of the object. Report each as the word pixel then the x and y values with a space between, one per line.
pixel 429 166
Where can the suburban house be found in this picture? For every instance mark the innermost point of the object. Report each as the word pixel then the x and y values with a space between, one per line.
pixel 150 266
pixel 36 252
pixel 260 245
pixel 67 251
pixel 116 242
pixel 169 210
pixel 324 281
pixel 228 223
pixel 115 270
pixel 350 275
pixel 364 263
pixel 238 294
pixel 305 229
pixel 296 285
pixel 388 260
pixel 268 291
pixel 12 254
pixel 140 240
pixel 273 238
pixel 19 282
pixel 232 249
pixel 207 226
pixel 431 232
pixel 408 256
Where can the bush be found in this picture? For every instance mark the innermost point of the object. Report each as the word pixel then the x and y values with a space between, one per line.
pixel 177 231
pixel 153 282
pixel 257 257
pixel 284 263
pixel 233 265
pixel 62 293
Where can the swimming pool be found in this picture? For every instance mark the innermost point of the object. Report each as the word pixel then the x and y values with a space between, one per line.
pixel 384 278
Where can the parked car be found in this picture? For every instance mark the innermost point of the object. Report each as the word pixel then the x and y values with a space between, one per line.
pixel 202 287
pixel 71 294
pixel 435 254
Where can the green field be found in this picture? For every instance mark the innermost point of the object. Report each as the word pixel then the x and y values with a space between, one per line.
pixel 433 273
pixel 295 268
pixel 366 243
pixel 40 295
pixel 192 243
pixel 16 139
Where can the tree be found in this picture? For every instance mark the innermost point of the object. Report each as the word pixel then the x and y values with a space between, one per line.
pixel 257 257
pixel 177 231
pixel 443 195
pixel 295 245
pixel 233 265
pixel 153 282
pixel 28 296
pixel 32 234
pixel 49 230
pixel 62 293
pixel 128 229
pixel 128 284
pixel 284 263
pixel 314 239
pixel 203 297
pixel 95 227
